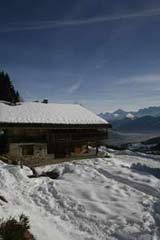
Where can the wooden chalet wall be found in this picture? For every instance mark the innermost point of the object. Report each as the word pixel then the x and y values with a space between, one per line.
pixel 40 143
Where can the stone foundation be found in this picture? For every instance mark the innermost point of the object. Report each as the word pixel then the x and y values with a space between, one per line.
pixel 40 155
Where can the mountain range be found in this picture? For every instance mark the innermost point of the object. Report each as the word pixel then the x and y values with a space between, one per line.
pixel 145 120
pixel 121 114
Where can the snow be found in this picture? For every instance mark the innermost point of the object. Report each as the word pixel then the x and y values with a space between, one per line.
pixel 116 115
pixel 99 198
pixel 51 113
pixel 130 115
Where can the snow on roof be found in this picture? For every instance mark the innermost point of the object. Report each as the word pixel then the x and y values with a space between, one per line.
pixel 51 113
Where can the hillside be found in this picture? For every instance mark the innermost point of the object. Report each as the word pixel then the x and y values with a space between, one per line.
pixel 118 138
pixel 146 124
pixel 100 198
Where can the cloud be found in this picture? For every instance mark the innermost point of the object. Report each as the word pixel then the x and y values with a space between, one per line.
pixel 74 88
pixel 141 79
pixel 54 24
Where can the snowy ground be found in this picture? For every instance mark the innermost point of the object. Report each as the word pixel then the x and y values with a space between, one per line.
pixel 95 199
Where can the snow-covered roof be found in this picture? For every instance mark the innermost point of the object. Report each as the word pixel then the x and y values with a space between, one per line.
pixel 51 113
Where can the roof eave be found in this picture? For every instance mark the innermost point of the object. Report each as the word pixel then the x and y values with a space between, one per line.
pixel 53 125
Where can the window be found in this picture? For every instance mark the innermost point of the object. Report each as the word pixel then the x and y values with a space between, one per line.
pixel 27 150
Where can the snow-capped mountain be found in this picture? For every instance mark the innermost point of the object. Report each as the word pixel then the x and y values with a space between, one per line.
pixel 121 114
pixel 117 115
pixel 145 120
pixel 150 111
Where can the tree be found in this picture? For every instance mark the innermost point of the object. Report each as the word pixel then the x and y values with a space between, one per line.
pixel 7 90
pixel 13 229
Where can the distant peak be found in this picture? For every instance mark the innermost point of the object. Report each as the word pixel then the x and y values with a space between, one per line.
pixel 119 111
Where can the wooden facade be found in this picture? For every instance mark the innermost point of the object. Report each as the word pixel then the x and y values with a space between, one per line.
pixel 36 143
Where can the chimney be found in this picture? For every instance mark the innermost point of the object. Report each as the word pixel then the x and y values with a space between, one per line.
pixel 45 101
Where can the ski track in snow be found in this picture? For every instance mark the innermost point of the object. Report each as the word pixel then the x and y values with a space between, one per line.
pixel 95 199
pixel 138 186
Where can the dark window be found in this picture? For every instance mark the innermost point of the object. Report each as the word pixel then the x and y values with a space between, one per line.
pixel 27 150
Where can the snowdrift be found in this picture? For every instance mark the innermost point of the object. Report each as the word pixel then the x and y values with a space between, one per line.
pixel 101 198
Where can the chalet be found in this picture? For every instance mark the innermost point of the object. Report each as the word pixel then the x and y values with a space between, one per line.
pixel 38 132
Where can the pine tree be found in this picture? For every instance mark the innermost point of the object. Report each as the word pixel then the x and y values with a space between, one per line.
pixel 13 229
pixel 7 90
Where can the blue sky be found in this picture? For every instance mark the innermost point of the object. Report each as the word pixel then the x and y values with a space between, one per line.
pixel 104 54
